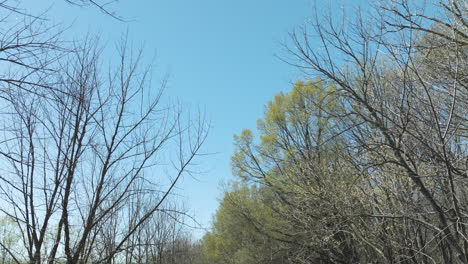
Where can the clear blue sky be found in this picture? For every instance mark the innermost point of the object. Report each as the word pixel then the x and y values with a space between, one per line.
pixel 220 56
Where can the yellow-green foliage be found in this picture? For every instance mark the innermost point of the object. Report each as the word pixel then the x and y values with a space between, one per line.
pixel 242 228
pixel 293 122
pixel 296 173
pixel 10 238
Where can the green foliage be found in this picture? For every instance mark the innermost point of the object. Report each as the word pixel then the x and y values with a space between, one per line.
pixel 10 239
pixel 242 230
pixel 297 189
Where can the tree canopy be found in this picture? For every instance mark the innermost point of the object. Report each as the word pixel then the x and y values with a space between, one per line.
pixel 366 163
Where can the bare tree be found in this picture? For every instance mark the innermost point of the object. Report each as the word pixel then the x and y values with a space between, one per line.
pixel 401 73
pixel 103 6
pixel 78 154
pixel 78 144
pixel 30 45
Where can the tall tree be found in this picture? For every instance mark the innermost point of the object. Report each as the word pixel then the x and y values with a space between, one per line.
pixel 304 165
pixel 402 76
pixel 78 155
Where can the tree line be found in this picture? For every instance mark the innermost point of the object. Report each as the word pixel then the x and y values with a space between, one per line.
pixel 365 161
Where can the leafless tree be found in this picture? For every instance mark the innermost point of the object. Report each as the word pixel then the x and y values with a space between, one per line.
pixel 30 45
pixel 75 156
pixel 104 6
pixel 401 72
